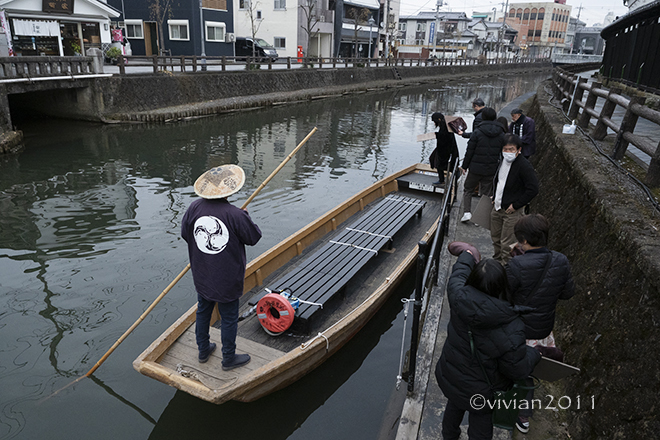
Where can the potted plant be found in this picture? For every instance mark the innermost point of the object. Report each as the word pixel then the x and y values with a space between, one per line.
pixel 113 54
pixel 75 46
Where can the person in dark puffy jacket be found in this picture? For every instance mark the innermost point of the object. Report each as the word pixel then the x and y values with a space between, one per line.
pixel 537 279
pixel 445 149
pixel 481 159
pixel 474 291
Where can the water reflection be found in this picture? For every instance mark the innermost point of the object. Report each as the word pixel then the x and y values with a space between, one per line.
pixel 89 235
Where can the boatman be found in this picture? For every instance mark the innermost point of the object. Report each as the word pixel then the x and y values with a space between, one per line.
pixel 216 232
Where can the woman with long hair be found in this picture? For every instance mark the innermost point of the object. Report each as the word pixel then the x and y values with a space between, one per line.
pixel 485 336
pixel 445 148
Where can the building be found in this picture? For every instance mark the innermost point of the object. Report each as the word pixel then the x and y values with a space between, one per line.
pixel 356 28
pixel 316 30
pixel 574 25
pixel 494 39
pixel 632 52
pixel 275 21
pixel 418 36
pixel 154 27
pixel 58 27
pixel 588 41
pixel 541 27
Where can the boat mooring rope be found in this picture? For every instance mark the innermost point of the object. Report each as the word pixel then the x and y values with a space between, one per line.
pixel 399 377
pixel 319 335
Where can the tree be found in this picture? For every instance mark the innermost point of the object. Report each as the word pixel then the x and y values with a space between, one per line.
pixel 358 16
pixel 255 22
pixel 310 21
pixel 159 10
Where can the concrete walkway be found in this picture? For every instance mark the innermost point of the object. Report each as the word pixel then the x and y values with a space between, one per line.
pixel 423 410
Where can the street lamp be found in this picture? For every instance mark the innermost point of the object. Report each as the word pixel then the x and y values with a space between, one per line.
pixel 371 22
pixel 201 22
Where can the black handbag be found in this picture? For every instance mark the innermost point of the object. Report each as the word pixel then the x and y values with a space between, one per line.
pixel 506 403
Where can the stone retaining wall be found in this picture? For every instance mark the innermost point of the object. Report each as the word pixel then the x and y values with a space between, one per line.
pixel 611 328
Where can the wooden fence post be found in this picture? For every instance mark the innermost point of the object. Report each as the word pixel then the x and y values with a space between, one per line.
pixel 583 121
pixel 577 97
pixel 600 131
pixel 194 65
pixel 224 63
pixel 627 125
pixel 154 59
pixel 183 63
pixel 122 66
pixel 653 173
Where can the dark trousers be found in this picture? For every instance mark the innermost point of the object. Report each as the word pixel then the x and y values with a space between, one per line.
pixel 480 425
pixel 471 181
pixel 228 325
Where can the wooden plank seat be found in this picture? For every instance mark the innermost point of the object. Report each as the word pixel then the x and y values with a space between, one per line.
pixel 326 271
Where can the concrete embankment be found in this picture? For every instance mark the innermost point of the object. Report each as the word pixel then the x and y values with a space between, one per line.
pixel 609 230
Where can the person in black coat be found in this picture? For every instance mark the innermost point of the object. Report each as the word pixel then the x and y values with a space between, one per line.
pixel 477 105
pixel 445 149
pixel 515 186
pixel 538 279
pixel 481 159
pixel 525 128
pixel 474 291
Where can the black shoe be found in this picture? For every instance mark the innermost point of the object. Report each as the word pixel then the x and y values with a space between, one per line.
pixel 522 424
pixel 439 182
pixel 205 357
pixel 237 361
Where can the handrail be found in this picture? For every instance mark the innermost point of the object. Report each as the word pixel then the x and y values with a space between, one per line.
pixel 570 89
pixel 428 262
pixel 196 63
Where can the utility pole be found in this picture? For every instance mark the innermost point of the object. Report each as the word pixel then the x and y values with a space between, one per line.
pixel 435 29
pixel 387 29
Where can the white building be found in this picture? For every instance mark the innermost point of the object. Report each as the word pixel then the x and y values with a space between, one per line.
pixel 275 21
pixel 57 27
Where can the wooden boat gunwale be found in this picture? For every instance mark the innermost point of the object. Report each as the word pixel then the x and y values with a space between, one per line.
pixel 297 362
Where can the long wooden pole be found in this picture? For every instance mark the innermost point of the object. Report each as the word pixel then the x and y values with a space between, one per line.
pixel 183 272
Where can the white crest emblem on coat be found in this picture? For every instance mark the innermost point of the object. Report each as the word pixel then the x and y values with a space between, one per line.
pixel 211 235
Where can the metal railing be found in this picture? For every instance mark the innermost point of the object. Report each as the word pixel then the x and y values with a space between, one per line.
pixel 569 88
pixel 46 66
pixel 428 265
pixel 197 64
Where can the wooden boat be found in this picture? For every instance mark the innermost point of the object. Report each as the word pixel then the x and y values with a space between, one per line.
pixel 350 270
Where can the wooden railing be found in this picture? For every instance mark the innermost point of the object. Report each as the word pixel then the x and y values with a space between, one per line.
pixel 571 90
pixel 197 64
pixel 42 66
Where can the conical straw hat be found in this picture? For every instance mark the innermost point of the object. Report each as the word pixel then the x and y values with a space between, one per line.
pixel 220 182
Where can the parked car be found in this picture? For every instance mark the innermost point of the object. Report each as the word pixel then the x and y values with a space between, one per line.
pixel 262 50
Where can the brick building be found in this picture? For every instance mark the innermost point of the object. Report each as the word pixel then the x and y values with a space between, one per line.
pixel 541 27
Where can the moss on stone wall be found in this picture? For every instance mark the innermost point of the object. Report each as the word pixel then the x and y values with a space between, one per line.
pixel 611 328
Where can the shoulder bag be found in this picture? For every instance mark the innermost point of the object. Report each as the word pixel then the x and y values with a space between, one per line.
pixel 506 404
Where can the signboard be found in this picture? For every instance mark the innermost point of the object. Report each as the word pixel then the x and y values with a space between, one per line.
pixel 431 32
pixel 61 6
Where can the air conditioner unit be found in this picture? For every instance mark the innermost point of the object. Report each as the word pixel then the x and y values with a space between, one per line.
pixel 231 37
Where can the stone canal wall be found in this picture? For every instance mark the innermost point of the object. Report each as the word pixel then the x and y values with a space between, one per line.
pixel 160 98
pixel 610 329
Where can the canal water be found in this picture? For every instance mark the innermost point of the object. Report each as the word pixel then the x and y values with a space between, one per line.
pixel 89 236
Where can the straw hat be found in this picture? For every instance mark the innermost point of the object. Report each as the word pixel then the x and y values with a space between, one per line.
pixel 220 182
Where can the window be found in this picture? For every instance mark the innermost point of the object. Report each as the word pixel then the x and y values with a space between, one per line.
pixel 421 27
pixel 215 31
pixel 178 29
pixel 402 27
pixel 280 43
pixel 533 15
pixel 215 4
pixel 280 4
pixel 134 29
pixel 258 15
pixel 243 4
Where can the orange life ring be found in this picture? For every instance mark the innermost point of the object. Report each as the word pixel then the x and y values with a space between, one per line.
pixel 275 313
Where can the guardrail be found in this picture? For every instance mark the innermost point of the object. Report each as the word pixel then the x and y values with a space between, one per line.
pixel 428 265
pixel 570 90
pixel 196 63
pixel 44 66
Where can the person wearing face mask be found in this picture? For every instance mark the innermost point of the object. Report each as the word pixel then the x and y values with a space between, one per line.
pixel 515 185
